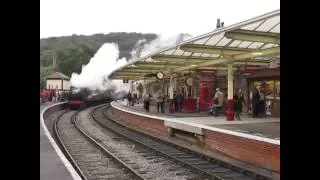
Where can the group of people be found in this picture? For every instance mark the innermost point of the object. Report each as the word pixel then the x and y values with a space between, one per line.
pixel 218 103
pixel 178 99
pixel 258 102
pixel 160 100
pixel 50 95
pixel 132 98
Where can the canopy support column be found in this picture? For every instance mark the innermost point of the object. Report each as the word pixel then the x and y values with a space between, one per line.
pixel 230 112
pixel 171 86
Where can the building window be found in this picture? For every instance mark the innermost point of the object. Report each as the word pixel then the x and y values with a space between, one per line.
pixel 271 88
pixel 56 86
pixel 268 89
pixel 277 89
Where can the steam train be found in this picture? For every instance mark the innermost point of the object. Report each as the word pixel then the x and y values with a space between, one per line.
pixel 83 98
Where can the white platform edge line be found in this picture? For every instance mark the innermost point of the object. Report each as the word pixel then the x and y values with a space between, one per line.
pixel 66 163
pixel 248 136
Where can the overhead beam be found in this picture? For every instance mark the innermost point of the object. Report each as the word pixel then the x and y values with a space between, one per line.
pixel 137 71
pixel 252 63
pixel 246 35
pixel 264 52
pixel 147 63
pixel 207 63
pixel 180 58
pixel 128 77
pixel 121 73
pixel 216 68
pixel 157 66
pixel 195 48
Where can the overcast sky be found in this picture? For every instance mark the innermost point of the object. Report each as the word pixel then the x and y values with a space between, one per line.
pixel 67 17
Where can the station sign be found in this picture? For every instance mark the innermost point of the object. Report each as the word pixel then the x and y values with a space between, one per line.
pixel 251 68
pixel 248 69
pixel 207 72
pixel 166 79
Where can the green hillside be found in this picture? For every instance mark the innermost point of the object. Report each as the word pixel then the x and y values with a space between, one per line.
pixel 72 51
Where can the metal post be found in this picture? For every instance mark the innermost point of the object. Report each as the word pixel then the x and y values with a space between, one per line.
pixel 230 112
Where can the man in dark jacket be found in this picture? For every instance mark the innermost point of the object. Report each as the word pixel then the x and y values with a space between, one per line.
pixel 180 99
pixel 256 101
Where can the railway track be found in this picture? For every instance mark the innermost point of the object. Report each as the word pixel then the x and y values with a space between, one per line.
pixel 90 159
pixel 209 167
pixel 149 164
pixel 100 148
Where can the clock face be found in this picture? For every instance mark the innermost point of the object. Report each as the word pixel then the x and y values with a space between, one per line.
pixel 159 75
pixel 189 81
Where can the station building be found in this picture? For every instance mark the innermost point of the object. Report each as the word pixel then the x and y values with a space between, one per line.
pixel 238 56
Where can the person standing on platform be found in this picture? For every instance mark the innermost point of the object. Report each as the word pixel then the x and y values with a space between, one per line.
pixel 180 99
pixel 129 99
pixel 134 99
pixel 256 101
pixel 175 101
pixel 219 101
pixel 238 101
pixel 146 100
pixel 262 105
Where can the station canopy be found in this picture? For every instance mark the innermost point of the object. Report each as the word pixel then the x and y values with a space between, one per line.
pixel 252 42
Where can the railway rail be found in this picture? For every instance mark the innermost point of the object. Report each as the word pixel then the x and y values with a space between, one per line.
pixel 90 159
pixel 101 148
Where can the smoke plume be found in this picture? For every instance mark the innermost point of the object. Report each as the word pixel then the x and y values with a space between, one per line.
pixel 162 41
pixel 94 75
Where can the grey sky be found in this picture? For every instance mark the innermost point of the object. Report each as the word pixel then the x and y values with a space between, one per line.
pixel 67 17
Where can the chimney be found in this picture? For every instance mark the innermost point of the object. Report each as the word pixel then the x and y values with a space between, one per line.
pixel 218 23
pixel 222 24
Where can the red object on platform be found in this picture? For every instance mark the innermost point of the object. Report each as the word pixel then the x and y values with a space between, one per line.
pixel 171 107
pixel 75 102
pixel 230 112
pixel 190 105
pixel 205 96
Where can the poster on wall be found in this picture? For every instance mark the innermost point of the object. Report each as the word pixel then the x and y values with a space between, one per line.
pixel 268 107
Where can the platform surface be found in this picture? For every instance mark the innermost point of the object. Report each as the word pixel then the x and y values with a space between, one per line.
pixel 267 127
pixel 51 165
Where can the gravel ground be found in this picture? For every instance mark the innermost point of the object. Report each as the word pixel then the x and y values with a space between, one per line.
pixel 145 161
pixel 93 163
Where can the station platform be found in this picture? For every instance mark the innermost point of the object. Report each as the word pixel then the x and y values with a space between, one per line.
pixel 267 127
pixel 253 143
pixel 53 164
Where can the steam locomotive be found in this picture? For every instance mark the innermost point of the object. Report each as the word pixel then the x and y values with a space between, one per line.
pixel 80 99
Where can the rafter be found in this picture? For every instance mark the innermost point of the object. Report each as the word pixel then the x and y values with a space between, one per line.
pixel 264 52
pixel 246 35
pixel 180 58
pixel 157 66
pixel 213 49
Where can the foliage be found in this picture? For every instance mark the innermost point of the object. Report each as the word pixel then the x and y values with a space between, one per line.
pixel 71 52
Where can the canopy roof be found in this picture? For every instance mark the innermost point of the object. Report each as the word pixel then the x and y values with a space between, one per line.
pixel 252 42
pixel 57 75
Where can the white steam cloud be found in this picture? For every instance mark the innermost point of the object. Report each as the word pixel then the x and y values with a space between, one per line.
pixel 94 75
pixel 163 40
